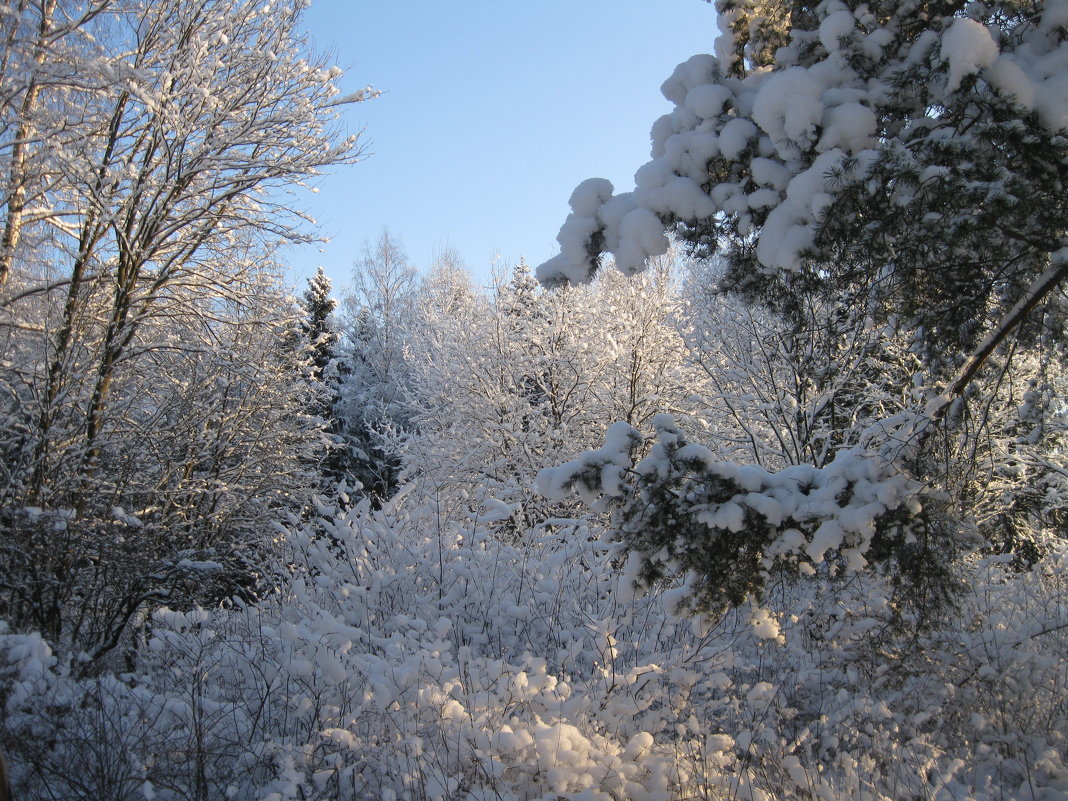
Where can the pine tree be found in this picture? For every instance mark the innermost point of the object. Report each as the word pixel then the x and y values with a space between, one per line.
pixel 915 155
pixel 907 162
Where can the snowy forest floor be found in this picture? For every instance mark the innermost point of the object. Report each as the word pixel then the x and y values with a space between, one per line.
pixel 417 658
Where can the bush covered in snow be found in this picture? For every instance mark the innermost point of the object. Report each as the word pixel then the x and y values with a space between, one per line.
pixel 409 660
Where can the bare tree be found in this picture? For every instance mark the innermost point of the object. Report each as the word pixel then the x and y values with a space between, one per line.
pixel 144 375
pixel 511 383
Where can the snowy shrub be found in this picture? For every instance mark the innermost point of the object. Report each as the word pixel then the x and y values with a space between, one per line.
pixel 409 660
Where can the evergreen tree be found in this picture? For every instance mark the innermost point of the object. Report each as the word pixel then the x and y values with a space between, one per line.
pixel 318 325
pixel 912 155
pixel 372 408
pixel 328 374
pixel 908 163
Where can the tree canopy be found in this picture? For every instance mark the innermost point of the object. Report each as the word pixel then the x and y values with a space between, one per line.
pixel 903 167
pixel 916 154
pixel 152 407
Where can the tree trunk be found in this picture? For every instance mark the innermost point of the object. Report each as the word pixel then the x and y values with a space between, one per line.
pixel 18 177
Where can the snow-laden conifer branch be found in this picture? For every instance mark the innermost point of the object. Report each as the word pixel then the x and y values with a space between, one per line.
pixel 905 161
pixel 725 526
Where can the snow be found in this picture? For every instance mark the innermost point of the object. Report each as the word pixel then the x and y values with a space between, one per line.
pixel 851 127
pixel 790 228
pixel 595 471
pixel 760 693
pixel 765 626
pixel 1010 79
pixel 1051 96
pixel 589 196
pixel 775 125
pixel 680 196
pixel 435 679
pixel 968 47
pixel 768 172
pixel 496 510
pixel 708 100
pixel 698 70
pixel 735 137
pixel 575 236
pixel 834 27
pixel 643 238
pixel 789 107
pixel 415 651
pixel 612 214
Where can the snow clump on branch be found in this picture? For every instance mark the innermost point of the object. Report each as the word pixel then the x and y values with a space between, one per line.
pixel 766 152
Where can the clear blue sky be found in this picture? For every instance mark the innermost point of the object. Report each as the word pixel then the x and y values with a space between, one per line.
pixel 492 112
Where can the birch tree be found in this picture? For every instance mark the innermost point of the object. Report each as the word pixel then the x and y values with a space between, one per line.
pixel 507 384
pixel 377 316
pixel 155 217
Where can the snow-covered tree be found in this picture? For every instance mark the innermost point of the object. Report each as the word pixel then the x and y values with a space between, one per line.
pixel 646 367
pixel 867 145
pixel 506 385
pixel 377 316
pixel 47 49
pixel 318 325
pixel 475 440
pixel 527 670
pixel 791 390
pixel 446 288
pixel 148 398
pixel 877 143
pixel 320 340
pixel 905 161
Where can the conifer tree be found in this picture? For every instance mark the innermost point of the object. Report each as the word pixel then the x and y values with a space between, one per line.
pixel 372 407
pixel 318 324
pixel 909 162
pixel 912 155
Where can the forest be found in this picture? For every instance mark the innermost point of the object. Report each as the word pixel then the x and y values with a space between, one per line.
pixel 758 490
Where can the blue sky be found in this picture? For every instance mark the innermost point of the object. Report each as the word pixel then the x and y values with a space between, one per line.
pixel 492 113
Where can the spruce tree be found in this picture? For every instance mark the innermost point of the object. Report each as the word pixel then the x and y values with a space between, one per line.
pixel 319 329
pixel 328 374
